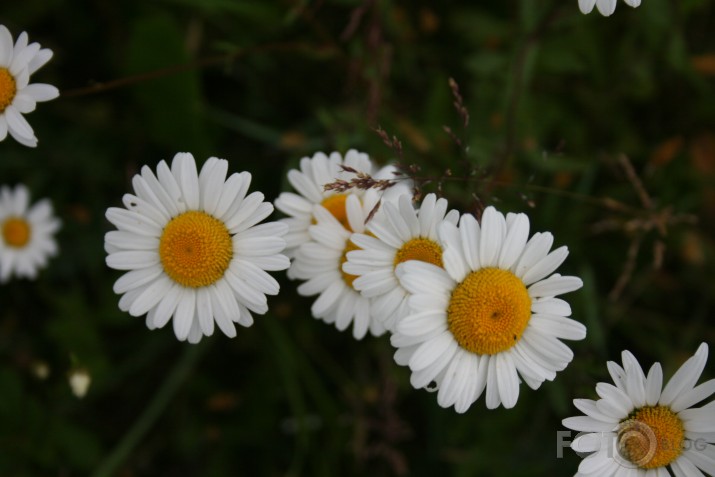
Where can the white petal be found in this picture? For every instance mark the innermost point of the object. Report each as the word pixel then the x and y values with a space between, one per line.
pixel 507 380
pixel 514 243
pixel 184 314
pixel 493 230
pixel 183 167
pixel 41 92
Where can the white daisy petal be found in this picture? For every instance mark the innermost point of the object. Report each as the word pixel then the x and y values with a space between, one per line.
pixel 184 314
pixel 554 285
pixel 685 378
pixel 507 380
pixel 470 233
pixel 493 230
pixel 514 244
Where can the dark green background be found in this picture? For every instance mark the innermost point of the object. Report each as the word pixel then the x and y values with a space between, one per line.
pixel 555 97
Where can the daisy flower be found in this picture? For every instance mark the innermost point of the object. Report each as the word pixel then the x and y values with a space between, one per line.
pixel 638 428
pixel 320 262
pixel 26 233
pixel 489 316
pixel 192 248
pixel 314 173
pixel 605 7
pixel 17 96
pixel 401 233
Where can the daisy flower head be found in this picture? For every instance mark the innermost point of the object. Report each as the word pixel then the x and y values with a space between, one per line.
pixel 193 248
pixel 26 233
pixel 320 263
pixel 490 315
pixel 308 181
pixel 18 61
pixel 399 234
pixel 605 7
pixel 641 428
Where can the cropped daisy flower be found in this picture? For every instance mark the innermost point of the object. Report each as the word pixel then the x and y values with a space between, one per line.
pixel 17 96
pixel 314 173
pixel 193 250
pixel 26 234
pixel 489 316
pixel 401 233
pixel 320 262
pixel 638 428
pixel 605 7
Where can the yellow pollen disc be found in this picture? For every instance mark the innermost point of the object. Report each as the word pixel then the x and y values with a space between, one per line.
pixel 349 247
pixel 489 311
pixel 195 249
pixel 16 232
pixel 8 88
pixel 336 206
pixel 422 249
pixel 652 437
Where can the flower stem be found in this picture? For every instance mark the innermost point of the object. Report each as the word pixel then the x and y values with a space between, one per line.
pixel 151 414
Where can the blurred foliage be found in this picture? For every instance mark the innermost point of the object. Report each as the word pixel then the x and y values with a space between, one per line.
pixel 556 100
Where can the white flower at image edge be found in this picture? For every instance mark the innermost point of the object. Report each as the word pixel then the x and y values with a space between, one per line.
pixel 605 7
pixel 490 316
pixel 17 96
pixel 193 248
pixel 640 428
pixel 26 234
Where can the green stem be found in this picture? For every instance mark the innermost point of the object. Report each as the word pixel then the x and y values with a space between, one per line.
pixel 151 414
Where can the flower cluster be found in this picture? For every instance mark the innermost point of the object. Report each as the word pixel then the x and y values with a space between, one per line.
pixel 472 305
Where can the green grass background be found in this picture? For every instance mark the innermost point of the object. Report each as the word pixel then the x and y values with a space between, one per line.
pixel 555 97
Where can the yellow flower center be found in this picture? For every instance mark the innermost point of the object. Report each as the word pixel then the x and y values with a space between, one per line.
pixel 422 249
pixel 336 206
pixel 349 247
pixel 195 249
pixel 16 232
pixel 489 311
pixel 7 88
pixel 651 437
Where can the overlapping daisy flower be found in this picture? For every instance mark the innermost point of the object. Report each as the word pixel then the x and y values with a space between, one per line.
pixel 193 248
pixel 17 96
pixel 315 172
pixel 640 428
pixel 399 234
pixel 605 7
pixel 321 223
pixel 26 233
pixel 490 316
pixel 319 261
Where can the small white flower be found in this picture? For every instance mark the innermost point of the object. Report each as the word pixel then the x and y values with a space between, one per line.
pixel 399 234
pixel 314 173
pixel 26 234
pixel 639 428
pixel 605 7
pixel 490 316
pixel 320 261
pixel 17 95
pixel 193 250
